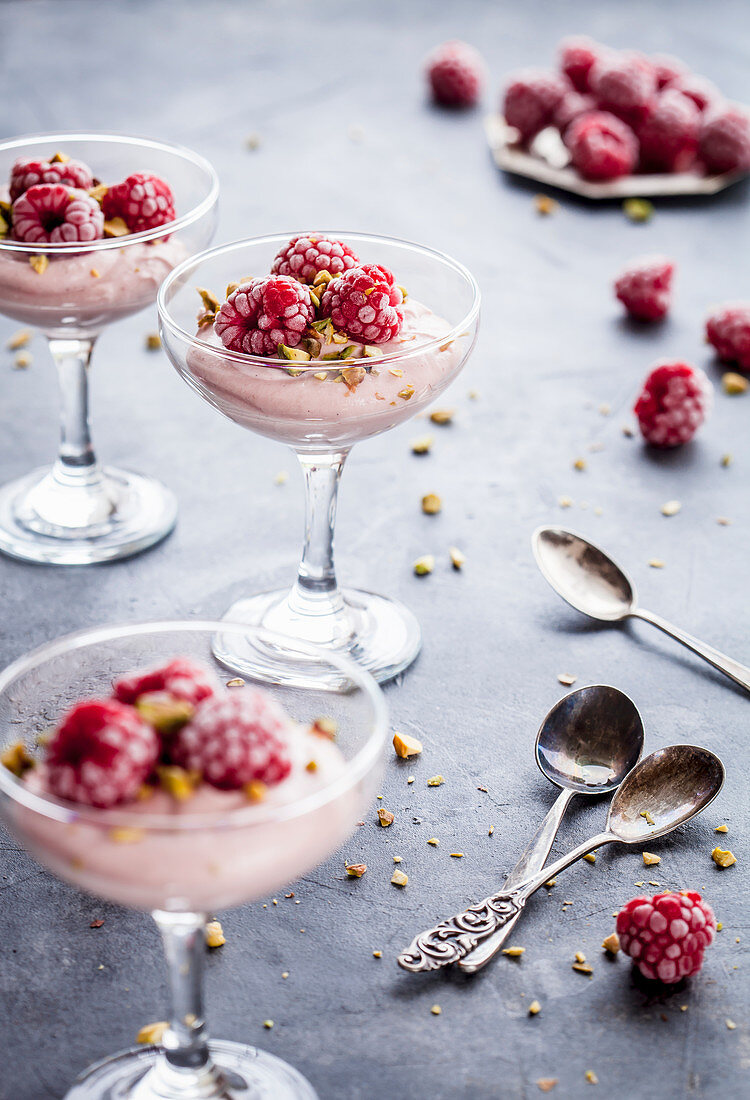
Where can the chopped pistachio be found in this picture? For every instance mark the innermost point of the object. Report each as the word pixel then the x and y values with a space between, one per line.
pixel 377 954
pixel 407 392
pixel 126 836
pixel 565 502
pixel 628 431
pixel 726 460
pixel 17 759
pixel 671 508
pixel 255 790
pixel 721 829
pixel 399 878
pixel 580 957
pixel 491 830
pixel 406 746
pixel 116 227
pixel 325 727
pixel 311 766
pixel 723 858
pixel 534 1008
pixel 356 870
pixel 385 817
pixel 545 205
pixel 590 857
pixel 435 781
pixel 152 1033
pixel 583 968
pixel 457 855
pixel 214 934
pixel 295 355
pixel 424 565
pixel 404 291
pixel 638 210
pixel 433 841
pixel 19 339
pixel 268 1024
pixel 731 1025
pixel 514 952
pixel 321 375
pixel 396 372
pixel 95 273
pixel 591 1077
pixel 579 464
pixel 550 883
pixel 23 360
pixel 650 860
pixel 281 478
pixel 422 445
pixel 371 351
pixel 210 302
pixel 40 263
pixel 656 563
pixel 566 678
pixel 436 1010
pixel 153 341
pixel 431 504
pixel 238 682
pixel 164 712
pixel 177 781
pixel 649 819
pixel 546 1084
pixel 397 859
pixel 612 943
pixel 311 346
pixel 353 376
pixel 733 383
pixel 723 521
pixel 458 559
pixel 442 416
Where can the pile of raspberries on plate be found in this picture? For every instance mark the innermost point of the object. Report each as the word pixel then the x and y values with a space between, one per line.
pixel 57 200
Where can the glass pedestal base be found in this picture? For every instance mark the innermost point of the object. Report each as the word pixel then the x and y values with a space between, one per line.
pixel 379 634
pixel 45 517
pixel 239 1073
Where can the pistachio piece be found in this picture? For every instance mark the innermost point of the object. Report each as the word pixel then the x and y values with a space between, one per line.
pixel 294 355
pixel 399 878
pixel 650 860
pixel 314 298
pixel 324 326
pixel 406 746
pixel 153 341
pixel 163 711
pixel 321 376
pixel 385 817
pixel 40 263
pixel 255 790
pixel 177 781
pixel 23 360
pixel 435 781
pixel 210 302
pixel 126 836
pixel 513 952
pixel 638 210
pixel 406 393
pixel 371 351
pixel 424 565
pixel 436 1010
pixel 545 205
pixel 17 759
pixel 442 416
pixel 534 1008
pixel 723 858
pixel 612 943
pixel 311 346
pixel 98 192
pixel 721 829
pixel 152 1034
pixel 583 968
pixel 590 857
pixel 325 727
pixel 404 291
pixel 116 227
pixel 671 508
pixel 355 870
pixel 311 766
pixel 733 383
pixel 353 376
pixel 434 842
pixel 322 279
pixel 59 158
pixel 458 559
pixel 214 934
pixel 422 445
pixel 431 504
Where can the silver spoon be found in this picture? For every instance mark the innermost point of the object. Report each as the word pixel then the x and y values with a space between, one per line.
pixel 587 744
pixel 665 790
pixel 594 584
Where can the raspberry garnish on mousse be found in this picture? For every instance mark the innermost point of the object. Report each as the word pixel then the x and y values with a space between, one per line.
pixel 366 304
pixel 51 213
pixel 181 678
pixel 142 201
pixel 305 257
pixel 29 171
pixel 264 315
pixel 666 935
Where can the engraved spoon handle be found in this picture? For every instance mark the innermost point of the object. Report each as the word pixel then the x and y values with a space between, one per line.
pixel 532 860
pixel 731 668
pixel 454 938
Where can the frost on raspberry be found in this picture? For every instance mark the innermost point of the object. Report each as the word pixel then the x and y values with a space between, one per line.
pixel 306 256
pixel 644 287
pixel 263 314
pixel 366 303
pixel 29 171
pixel 669 136
pixel 530 99
pixel 601 146
pixel 182 678
pixel 724 144
pixel 674 402
pixel 728 331
pixel 51 213
pixel 578 54
pixel 624 85
pixel 666 936
pixel 455 72
pixel 143 201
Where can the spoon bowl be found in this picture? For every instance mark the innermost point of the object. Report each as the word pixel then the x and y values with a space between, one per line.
pixel 590 740
pixel 583 575
pixel 671 786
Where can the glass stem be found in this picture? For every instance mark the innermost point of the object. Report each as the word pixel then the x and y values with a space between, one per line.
pixel 76 462
pixel 316 591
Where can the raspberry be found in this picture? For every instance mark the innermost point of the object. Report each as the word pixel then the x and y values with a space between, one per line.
pixel 624 85
pixel 572 105
pixel 142 201
pixel 666 935
pixel 365 303
pixel 261 314
pixel 728 330
pixel 667 69
pixel 29 171
pixel 235 739
pixel 700 89
pixel 455 72
pixel 724 144
pixel 644 287
pixel 530 100
pixel 305 256
pixel 578 55
pixel 673 403
pixel 182 678
pixel 51 213
pixel 601 146
pixel 101 754
pixel 669 136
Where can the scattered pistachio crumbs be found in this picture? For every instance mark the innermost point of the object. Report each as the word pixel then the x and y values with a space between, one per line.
pixel 566 678
pixel 734 383
pixel 214 934
pixel 424 565
pixel 152 1033
pixel 590 857
pixel 399 878
pixel 422 445
pixel 514 952
pixel 406 746
pixel 355 870
pixel 671 508
pixel 534 1008
pixel 435 781
pixel 638 210
pixel 721 829
pixel 385 817
pixel 153 341
pixel 436 1010
pixel 650 860
pixel 545 205
pixel 457 558
pixel 19 339
pixel 442 416
pixel 612 943
pixel 723 858
pixel 649 819
pixel 431 504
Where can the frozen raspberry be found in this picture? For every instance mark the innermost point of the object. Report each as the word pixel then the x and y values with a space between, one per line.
pixel 700 89
pixel 644 287
pixel 530 100
pixel 724 144
pixel 666 935
pixel 572 105
pixel 29 171
pixel 182 678
pixel 673 403
pixel 624 85
pixel 261 314
pixel 100 754
pixel 365 303
pixel 601 146
pixel 142 201
pixel 305 256
pixel 669 136
pixel 728 330
pixel 578 54
pixel 234 739
pixel 455 72
pixel 51 213
pixel 667 69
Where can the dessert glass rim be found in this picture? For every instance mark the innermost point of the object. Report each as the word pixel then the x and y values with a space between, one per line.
pixel 199 258
pixel 169 228
pixel 68 812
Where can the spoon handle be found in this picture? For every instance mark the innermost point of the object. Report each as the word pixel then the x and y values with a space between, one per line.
pixel 453 939
pixel 532 860
pixel 731 668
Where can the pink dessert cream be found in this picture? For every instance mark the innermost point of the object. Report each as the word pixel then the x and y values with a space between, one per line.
pixel 326 349
pixel 53 205
pixel 187 794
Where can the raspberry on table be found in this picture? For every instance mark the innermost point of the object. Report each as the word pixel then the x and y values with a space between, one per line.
pixel 669 136
pixel 700 89
pixel 234 739
pixel 142 201
pixel 728 331
pixel 624 85
pixel 455 73
pixel 181 678
pixel 304 257
pixel 530 100
pixel 724 143
pixel 101 754
pixel 673 403
pixel 365 303
pixel 572 105
pixel 644 287
pixel 266 312
pixel 667 68
pixel 601 146
pixel 51 213
pixel 666 935
pixel 578 54
pixel 29 171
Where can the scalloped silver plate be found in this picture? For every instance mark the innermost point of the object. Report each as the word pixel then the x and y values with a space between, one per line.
pixel 546 161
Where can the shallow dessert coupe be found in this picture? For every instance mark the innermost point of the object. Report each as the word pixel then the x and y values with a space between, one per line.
pixel 190 858
pixel 296 400
pixel 77 511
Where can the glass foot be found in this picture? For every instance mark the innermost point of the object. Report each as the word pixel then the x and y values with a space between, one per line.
pixel 239 1073
pixel 45 517
pixel 380 634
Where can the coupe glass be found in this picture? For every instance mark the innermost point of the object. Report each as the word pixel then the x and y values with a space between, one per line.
pixel 321 421
pixel 77 511
pixel 183 866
